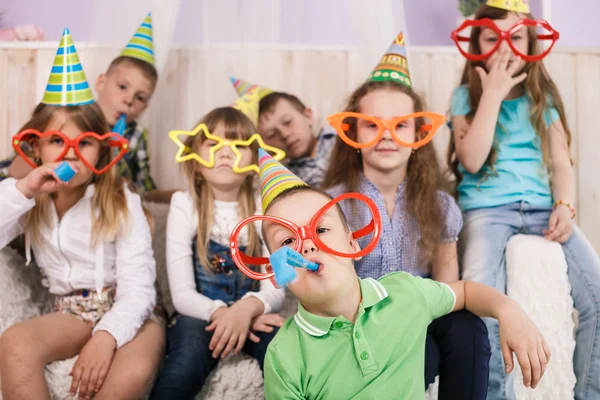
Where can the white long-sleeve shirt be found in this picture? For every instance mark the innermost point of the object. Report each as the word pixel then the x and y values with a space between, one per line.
pixel 70 262
pixel 182 226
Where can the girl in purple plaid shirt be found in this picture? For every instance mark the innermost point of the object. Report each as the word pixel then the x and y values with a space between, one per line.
pixel 423 222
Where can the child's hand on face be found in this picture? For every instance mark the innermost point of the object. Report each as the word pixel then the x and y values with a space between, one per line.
pixel 518 333
pixel 499 79
pixel 41 180
pixel 92 366
pixel 230 327
pixel 265 323
pixel 560 226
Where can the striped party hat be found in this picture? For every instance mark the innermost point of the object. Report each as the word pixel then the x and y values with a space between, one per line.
pixel 249 96
pixel 67 85
pixel 519 6
pixel 274 178
pixel 393 66
pixel 140 46
pixel 243 87
pixel 248 104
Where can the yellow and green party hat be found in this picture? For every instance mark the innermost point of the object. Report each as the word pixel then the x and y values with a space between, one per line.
pixel 393 66
pixel 249 97
pixel 67 85
pixel 519 6
pixel 140 46
pixel 274 178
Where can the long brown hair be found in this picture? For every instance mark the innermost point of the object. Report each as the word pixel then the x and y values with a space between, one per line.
pixel 538 85
pixel 237 126
pixel 109 206
pixel 423 176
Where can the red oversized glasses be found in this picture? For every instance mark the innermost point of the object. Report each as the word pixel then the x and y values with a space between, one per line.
pixel 321 230
pixel 545 33
pixel 84 145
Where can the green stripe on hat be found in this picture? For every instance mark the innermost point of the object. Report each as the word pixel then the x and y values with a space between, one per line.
pixel 68 98
pixel 57 79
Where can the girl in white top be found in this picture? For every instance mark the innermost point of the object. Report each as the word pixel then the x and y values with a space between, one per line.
pixel 89 237
pixel 218 307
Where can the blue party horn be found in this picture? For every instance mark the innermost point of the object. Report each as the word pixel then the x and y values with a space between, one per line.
pixel 65 172
pixel 283 262
pixel 120 125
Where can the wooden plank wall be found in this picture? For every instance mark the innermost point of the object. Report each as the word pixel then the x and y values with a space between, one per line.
pixel 195 80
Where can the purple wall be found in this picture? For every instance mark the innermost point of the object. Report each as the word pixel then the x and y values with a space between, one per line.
pixel 323 22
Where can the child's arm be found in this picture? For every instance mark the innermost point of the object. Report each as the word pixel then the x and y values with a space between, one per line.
pixel 563 184
pixel 474 141
pixel 17 197
pixel 13 206
pixel 518 333
pixel 445 263
pixel 444 267
pixel 135 276
pixel 181 229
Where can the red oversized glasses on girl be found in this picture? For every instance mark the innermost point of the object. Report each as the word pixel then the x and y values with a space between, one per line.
pixel 321 230
pixel 545 33
pixel 86 146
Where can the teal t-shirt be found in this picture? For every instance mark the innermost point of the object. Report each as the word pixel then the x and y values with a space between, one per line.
pixel 520 173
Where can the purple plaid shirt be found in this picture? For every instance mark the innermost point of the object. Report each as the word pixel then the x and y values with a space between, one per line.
pixel 398 248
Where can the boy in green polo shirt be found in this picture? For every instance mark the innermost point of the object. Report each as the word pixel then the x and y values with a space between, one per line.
pixel 365 338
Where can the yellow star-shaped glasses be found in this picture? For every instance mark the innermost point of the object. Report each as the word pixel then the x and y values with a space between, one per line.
pixel 181 155
pixel 277 154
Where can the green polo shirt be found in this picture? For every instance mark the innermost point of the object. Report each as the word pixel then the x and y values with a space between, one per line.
pixel 380 356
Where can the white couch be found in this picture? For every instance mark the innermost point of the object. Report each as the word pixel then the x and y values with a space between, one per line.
pixel 238 377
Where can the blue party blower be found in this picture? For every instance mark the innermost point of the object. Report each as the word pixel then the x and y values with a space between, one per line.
pixel 283 262
pixel 120 125
pixel 65 172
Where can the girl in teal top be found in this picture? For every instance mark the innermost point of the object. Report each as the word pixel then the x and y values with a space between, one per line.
pixel 510 155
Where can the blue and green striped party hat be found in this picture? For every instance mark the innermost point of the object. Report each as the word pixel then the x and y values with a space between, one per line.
pixel 67 85
pixel 140 46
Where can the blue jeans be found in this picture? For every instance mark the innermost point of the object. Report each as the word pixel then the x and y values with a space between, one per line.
pixel 189 361
pixel 485 234
pixel 458 350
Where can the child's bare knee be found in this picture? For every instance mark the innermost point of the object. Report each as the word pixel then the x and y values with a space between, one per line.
pixel 16 346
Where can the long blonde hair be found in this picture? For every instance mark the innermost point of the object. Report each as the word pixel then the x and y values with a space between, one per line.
pixel 237 126
pixel 539 87
pixel 423 177
pixel 109 206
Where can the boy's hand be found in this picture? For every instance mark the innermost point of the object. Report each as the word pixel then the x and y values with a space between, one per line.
pixel 92 366
pixel 560 226
pixel 518 333
pixel 231 327
pixel 265 323
pixel 41 180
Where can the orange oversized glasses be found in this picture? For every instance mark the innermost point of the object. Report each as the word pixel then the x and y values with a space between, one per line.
pixel 349 124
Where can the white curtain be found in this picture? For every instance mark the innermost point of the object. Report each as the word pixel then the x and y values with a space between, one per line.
pixel 115 21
